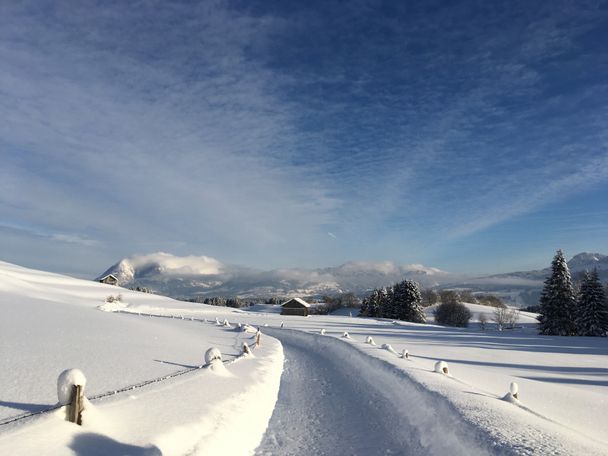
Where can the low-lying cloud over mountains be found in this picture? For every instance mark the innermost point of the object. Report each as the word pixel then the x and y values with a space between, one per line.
pixel 192 276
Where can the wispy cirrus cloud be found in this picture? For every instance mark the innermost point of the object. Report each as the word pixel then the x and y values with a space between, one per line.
pixel 253 132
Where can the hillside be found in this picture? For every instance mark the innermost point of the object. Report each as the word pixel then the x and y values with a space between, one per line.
pixel 51 322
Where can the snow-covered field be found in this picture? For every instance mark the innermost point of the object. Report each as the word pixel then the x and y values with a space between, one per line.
pixel 333 388
pixel 50 323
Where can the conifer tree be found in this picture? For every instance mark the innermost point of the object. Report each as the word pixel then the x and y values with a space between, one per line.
pixel 388 305
pixel 409 302
pixel 373 304
pixel 364 309
pixel 592 307
pixel 557 301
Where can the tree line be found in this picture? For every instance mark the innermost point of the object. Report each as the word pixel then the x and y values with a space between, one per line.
pixel 401 301
pixel 566 312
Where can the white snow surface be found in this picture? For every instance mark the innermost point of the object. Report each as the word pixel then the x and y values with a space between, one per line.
pixel 563 382
pixel 51 322
pixel 329 388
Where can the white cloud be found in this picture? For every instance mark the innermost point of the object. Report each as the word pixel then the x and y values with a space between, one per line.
pixel 176 265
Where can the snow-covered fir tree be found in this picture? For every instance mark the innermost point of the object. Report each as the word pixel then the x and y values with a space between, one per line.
pixel 557 302
pixel 408 302
pixel 372 305
pixel 402 301
pixel 388 305
pixel 592 307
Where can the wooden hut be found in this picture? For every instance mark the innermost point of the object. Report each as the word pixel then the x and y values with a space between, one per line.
pixel 109 279
pixel 295 306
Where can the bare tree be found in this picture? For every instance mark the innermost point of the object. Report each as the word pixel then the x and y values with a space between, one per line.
pixel 449 296
pixel 505 318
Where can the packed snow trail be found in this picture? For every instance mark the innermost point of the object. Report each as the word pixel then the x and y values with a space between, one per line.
pixel 320 411
pixel 329 405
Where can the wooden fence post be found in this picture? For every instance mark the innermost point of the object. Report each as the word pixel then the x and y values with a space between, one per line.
pixel 74 408
pixel 258 339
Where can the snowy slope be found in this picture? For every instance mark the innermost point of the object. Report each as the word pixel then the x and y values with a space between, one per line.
pixel 50 323
pixel 563 381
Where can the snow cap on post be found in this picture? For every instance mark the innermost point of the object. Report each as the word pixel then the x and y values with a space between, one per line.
pixel 514 389
pixel 346 335
pixel 66 380
pixel 322 332
pixel 389 348
pixel 370 340
pixel 441 367
pixel 213 355
pixel 405 354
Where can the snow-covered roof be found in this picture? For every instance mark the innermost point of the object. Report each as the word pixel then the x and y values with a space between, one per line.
pixel 109 275
pixel 301 301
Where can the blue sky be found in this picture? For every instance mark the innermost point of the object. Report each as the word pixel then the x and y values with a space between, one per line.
pixel 470 136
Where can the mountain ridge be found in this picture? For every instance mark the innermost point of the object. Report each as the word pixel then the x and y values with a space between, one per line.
pixel 201 276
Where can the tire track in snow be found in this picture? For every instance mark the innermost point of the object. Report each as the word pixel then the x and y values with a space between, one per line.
pixel 332 403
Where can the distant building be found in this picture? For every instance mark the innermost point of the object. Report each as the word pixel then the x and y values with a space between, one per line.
pixel 295 306
pixel 109 279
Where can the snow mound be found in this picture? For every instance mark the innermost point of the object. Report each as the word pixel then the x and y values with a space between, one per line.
pixel 370 340
pixel 510 398
pixel 66 380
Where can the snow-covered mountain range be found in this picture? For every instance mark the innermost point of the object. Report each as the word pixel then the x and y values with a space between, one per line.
pixel 193 276
pixel 204 276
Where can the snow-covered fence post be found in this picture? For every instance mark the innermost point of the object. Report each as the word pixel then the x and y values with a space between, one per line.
pixel 74 410
pixel 442 367
pixel 258 338
pixel 246 349
pixel 70 392
pixel 389 348
pixel 282 324
pixel 405 354
pixel 322 332
pixel 370 340
pixel 213 355
pixel 346 335
pixel 514 389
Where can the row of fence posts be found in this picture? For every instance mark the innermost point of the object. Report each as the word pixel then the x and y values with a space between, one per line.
pixel 74 381
pixel 440 366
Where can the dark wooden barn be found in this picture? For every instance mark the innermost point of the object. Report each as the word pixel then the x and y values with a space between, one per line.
pixel 295 306
pixel 109 279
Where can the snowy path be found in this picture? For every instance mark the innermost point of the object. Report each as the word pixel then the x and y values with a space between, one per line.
pixel 320 409
pixel 325 405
